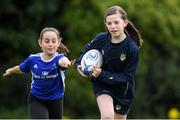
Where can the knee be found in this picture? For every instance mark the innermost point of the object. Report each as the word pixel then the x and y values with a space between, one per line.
pixel 109 115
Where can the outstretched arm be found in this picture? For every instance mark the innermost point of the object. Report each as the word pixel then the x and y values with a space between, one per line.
pixel 65 62
pixel 13 70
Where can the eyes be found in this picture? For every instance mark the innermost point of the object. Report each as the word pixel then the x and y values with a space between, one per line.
pixel 110 23
pixel 47 40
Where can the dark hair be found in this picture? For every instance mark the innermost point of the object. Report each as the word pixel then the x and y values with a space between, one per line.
pixel 62 47
pixel 130 28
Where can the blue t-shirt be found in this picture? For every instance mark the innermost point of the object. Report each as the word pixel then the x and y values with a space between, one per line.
pixel 47 77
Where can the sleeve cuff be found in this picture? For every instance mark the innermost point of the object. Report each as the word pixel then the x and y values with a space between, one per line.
pixel 101 75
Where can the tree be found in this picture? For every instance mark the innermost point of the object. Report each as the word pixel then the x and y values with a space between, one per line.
pixel 79 21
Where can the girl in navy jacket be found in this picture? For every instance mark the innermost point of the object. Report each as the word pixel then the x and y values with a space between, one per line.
pixel 113 83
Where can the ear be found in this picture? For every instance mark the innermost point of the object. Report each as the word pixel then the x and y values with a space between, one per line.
pixel 125 23
pixel 59 43
pixel 40 43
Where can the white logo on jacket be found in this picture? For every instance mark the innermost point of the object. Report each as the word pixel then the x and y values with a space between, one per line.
pixel 35 66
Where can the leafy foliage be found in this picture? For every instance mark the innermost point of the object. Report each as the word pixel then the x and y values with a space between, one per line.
pixel 157 80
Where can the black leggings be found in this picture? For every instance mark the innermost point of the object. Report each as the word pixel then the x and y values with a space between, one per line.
pixel 45 109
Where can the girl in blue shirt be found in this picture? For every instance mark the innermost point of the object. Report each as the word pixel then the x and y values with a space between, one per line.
pixel 47 68
pixel 114 83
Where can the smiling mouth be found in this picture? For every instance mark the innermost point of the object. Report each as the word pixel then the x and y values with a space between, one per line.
pixel 50 49
pixel 113 31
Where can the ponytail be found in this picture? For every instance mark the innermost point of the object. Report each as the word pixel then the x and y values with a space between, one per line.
pixel 134 33
pixel 63 48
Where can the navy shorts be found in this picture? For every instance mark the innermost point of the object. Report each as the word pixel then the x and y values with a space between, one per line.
pixel 121 108
pixel 121 103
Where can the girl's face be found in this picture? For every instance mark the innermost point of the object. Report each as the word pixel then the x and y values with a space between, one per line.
pixel 115 25
pixel 49 43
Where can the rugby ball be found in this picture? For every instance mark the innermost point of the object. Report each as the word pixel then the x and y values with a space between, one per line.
pixel 91 58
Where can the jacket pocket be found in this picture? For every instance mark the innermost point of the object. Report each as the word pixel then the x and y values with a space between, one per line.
pixel 121 89
pixel 127 86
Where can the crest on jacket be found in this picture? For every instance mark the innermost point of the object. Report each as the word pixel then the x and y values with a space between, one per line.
pixel 123 57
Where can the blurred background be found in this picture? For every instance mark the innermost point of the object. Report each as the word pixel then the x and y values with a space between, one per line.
pixel 158 74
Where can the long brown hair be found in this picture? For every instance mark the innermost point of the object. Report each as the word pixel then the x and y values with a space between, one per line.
pixel 130 28
pixel 62 47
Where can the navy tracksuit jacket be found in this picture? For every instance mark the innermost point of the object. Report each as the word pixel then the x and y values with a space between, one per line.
pixel 119 67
